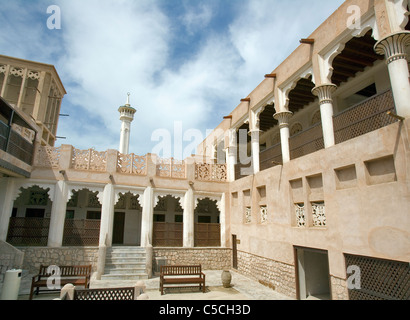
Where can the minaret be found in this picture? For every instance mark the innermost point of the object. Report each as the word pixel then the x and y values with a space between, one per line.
pixel 126 117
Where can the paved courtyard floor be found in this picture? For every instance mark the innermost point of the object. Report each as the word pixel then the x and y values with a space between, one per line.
pixel 242 288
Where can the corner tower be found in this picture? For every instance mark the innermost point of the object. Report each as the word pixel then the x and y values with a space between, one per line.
pixel 126 116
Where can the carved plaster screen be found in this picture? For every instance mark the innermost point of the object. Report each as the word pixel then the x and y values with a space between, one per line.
pixel 300 214
pixel 318 214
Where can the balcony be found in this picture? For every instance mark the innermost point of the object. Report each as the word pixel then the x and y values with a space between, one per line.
pixel 17 139
pixel 364 117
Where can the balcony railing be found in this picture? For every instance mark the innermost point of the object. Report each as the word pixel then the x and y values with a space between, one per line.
pixel 271 157
pixel 81 232
pixel 28 231
pixel 364 117
pixel 94 161
pixel 306 142
pixel 14 144
pixel 167 234
pixel 207 235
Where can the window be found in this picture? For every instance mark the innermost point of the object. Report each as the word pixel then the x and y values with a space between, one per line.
pixel 159 217
pixel 69 214
pixel 94 215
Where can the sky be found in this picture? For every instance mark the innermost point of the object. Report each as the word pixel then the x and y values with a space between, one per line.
pixel 186 63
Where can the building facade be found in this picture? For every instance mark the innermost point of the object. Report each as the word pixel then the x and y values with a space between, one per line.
pixel 304 186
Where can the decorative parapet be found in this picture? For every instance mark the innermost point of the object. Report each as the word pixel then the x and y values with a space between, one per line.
pixel 67 157
pixel 89 160
pixel 171 168
pixel 211 172
pixel 132 164
pixel 47 157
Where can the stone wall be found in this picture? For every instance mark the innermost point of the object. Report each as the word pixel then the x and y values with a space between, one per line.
pixel 209 258
pixel 10 258
pixel 276 275
pixel 36 256
pixel 339 288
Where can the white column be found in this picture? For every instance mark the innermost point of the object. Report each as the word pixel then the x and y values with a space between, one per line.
pixel 107 216
pixel 8 191
pixel 188 218
pixel 125 136
pixel 58 213
pixel 232 154
pixel 255 151
pixel 147 217
pixel 283 118
pixel 324 92
pixel 394 49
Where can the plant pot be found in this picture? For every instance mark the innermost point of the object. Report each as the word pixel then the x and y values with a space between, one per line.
pixel 226 278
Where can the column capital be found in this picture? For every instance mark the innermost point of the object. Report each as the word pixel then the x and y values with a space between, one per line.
pixel 324 92
pixel 283 118
pixel 393 46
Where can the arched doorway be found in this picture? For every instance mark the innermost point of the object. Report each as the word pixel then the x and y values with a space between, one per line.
pixel 30 219
pixel 168 222
pixel 127 220
pixel 83 219
pixel 207 228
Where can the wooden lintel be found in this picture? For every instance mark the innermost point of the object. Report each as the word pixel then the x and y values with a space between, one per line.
pixel 307 41
pixel 271 75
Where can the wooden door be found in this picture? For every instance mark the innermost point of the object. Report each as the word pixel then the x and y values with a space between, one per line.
pixel 118 229
pixel 234 252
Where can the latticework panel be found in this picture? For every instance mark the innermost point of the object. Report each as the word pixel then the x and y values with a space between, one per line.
pixel 306 142
pixel 105 294
pixel 48 157
pixel 131 163
pixel 81 232
pixel 271 157
pixel 210 172
pixel 20 148
pixel 28 231
pixel 167 234
pixel 171 168
pixel 207 235
pixel 365 117
pixel 89 160
pixel 380 279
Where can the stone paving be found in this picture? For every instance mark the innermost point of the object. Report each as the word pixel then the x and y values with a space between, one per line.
pixel 242 288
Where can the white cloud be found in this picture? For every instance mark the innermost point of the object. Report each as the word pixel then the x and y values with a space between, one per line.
pixel 196 18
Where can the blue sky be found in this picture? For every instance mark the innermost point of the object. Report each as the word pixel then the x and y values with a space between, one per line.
pixel 186 63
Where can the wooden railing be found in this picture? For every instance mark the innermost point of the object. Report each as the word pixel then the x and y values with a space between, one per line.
pixel 81 232
pixel 271 157
pixel 207 235
pixel 14 144
pixel 28 231
pixel 167 234
pixel 306 142
pixel 364 117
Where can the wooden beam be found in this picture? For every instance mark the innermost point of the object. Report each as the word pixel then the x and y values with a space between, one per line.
pixel 246 100
pixel 271 75
pixel 307 41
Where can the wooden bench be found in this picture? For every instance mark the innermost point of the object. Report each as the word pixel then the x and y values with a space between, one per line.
pixel 76 275
pixel 179 275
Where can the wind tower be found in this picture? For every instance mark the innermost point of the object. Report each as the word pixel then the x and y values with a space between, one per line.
pixel 126 116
